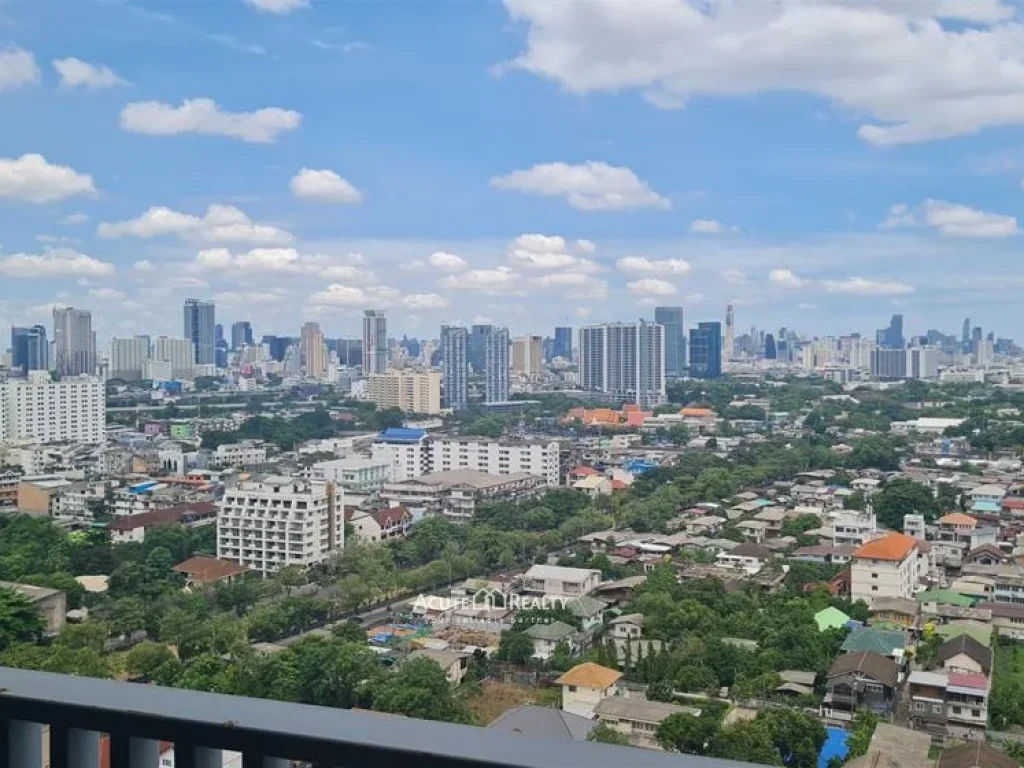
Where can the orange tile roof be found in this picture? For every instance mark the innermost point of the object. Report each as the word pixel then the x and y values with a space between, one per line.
pixel 696 412
pixel 590 675
pixel 894 547
pixel 958 518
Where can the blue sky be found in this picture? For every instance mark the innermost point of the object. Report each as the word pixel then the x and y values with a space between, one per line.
pixel 819 163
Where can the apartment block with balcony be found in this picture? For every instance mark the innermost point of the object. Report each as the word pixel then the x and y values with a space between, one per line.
pixel 497 457
pixel 273 522
pixel 560 581
pixel 885 567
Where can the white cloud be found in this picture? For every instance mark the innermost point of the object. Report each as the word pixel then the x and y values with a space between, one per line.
pixel 899 216
pixel 144 265
pixel 346 272
pixel 643 265
pixel 575 285
pixel 75 72
pixel 339 295
pixel 786 278
pixel 586 246
pixel 417 265
pixel 707 227
pixel 247 298
pixel 591 186
pixel 735 276
pixel 535 251
pixel 651 286
pixel 954 220
pixel 862 287
pixel 487 281
pixel 17 68
pixel 324 186
pixel 895 62
pixel 426 301
pixel 583 311
pixel 34 179
pixel 220 224
pixel 278 7
pixel 58 262
pixel 75 218
pixel 447 262
pixel 205 117
pixel 107 293
pixel 693 298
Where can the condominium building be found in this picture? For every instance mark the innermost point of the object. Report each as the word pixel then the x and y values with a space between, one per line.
pixel 178 353
pixel 528 355
pixel 889 364
pixel 885 567
pixel 671 319
pixel 496 366
pixel 454 341
pixel 29 349
pixel 42 410
pixel 624 360
pixel 496 457
pixel 241 334
pixel 200 329
pixel 313 351
pixel 406 450
pixel 409 390
pixel 563 342
pixel 247 453
pixel 375 342
pixel 128 357
pixel 706 351
pixel 74 342
pixel 273 522
pixel 354 474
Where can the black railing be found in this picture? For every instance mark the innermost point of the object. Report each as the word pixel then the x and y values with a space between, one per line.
pixel 57 720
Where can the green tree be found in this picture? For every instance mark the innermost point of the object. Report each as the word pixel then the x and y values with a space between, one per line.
pixel 748 741
pixel 516 647
pixel 687 733
pixel 861 731
pixel 419 688
pixel 19 620
pixel 605 734
pixel 903 497
pixel 147 657
pixel 798 737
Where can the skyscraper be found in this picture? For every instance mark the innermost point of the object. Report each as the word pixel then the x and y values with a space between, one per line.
pixel 528 355
pixel 770 352
pixel 730 333
pixel 241 334
pixel 476 352
pixel 454 341
pixel 128 357
pixel 218 332
pixel 624 360
pixel 965 336
pixel 74 341
pixel 496 346
pixel 375 342
pixel 706 351
pixel 675 339
pixel 313 351
pixel 892 337
pixel 200 329
pixel 563 342
pixel 350 352
pixel 30 350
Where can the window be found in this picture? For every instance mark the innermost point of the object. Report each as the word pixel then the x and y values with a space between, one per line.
pixel 937 709
pixel 572 689
pixel 874 588
pixel 919 706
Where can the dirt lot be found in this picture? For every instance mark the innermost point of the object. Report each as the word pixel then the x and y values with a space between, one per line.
pixel 496 698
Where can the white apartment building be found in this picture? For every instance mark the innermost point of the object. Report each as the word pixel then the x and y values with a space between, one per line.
pixel 40 410
pixel 277 521
pixel 406 450
pixel 128 357
pixel 244 454
pixel 624 360
pixel 408 390
pixel 559 581
pixel 853 528
pixel 885 567
pixel 353 473
pixel 180 353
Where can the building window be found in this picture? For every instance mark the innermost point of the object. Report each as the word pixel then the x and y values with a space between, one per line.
pixel 919 706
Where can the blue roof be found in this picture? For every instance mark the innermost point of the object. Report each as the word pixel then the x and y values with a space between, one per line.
pixel 142 487
pixel 402 435
pixel 985 506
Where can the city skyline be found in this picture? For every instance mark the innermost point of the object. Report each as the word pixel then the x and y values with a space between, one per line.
pixel 838 211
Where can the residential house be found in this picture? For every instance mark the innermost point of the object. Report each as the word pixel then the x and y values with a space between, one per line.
pixel 638 719
pixel 987 492
pixel 133 527
pixel 885 567
pixel 894 747
pixel 860 681
pixel 589 610
pixel 773 516
pixel 748 556
pixel 1008 618
pixel 900 611
pixel 796 682
pixel 547 637
pixel 452 663
pixel 627 627
pixel 926 694
pixel 987 554
pixel 823 553
pixel 536 722
pixel 753 530
pixel 965 654
pixel 585 686
pixel 559 581
pixel 594 485
pixel 890 644
pixel 831 618
pixel 380 524
pixel 620 591
pixel 967 706
pixel 201 571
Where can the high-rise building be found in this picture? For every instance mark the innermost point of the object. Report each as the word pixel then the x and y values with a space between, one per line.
pixel 706 351
pixel 454 340
pixel 74 341
pixel 965 336
pixel 922 363
pixel 624 360
pixel 496 368
pixel 407 389
pixel 241 334
pixel 528 355
pixel 179 353
pixel 476 352
pixel 277 346
pixel 128 357
pixel 675 339
pixel 200 329
pixel 770 353
pixel 218 333
pixel 274 522
pixel 563 342
pixel 730 333
pixel 313 351
pixel 350 352
pixel 40 410
pixel 375 341
pixel 888 364
pixel 892 337
pixel 30 351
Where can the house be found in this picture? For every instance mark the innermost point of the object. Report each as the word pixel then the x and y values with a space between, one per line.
pixel 1008 618
pixel 133 527
pixel 201 570
pixel 589 610
pixel 860 681
pixel 993 493
pixel 796 682
pixel 748 556
pixel 895 610
pixel 627 626
pixel 926 692
pixel 546 723
pixel 894 747
pixel 773 516
pixel 830 618
pixel 753 530
pixel 559 581
pixel 967 705
pixel 882 642
pixel 638 719
pixel 975 755
pixel 585 686
pixel 823 553
pixel 51 604
pixel 453 664
pixel 965 654
pixel 381 524
pixel 547 637
pixel 594 485
pixel 987 554
pixel 885 567
pixel 620 591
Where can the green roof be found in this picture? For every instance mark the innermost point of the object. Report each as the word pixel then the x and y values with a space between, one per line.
pixel 585 606
pixel 980 632
pixel 830 618
pixel 880 641
pixel 555 631
pixel 946 597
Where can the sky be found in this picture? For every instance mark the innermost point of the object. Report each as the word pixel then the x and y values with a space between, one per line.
pixel 819 164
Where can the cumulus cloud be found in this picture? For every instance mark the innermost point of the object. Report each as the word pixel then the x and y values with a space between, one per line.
pixel 899 216
pixel 144 265
pixel 345 272
pixel 651 286
pixel 324 186
pixel 256 260
pixel 954 220
pixel 535 251
pixel 17 68
pixel 247 298
pixel 707 227
pixel 590 186
pixel 205 117
pixel 34 179
pixel 340 295
pixel 735 276
pixel 110 294
pixel 643 265
pixel 586 246
pixel 786 278
pixel 575 285
pixel 447 262
pixel 861 286
pixel 894 61
pixel 74 219
pixel 487 281
pixel 277 7
pixel 58 262
pixel 426 301
pixel 220 224
pixel 75 73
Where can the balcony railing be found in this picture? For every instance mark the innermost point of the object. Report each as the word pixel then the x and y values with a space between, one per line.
pixel 268 734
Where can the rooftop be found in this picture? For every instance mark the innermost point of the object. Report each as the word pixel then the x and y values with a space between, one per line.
pixel 894 547
pixel 958 518
pixel 590 675
pixel 640 710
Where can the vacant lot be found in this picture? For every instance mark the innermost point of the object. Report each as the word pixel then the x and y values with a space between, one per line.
pixel 495 698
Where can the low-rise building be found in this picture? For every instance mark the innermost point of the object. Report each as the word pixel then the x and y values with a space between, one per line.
pixel 354 474
pixel 247 453
pixel 452 663
pixel 863 681
pixel 585 686
pixel 885 567
pixel 547 637
pixel 638 719
pixel 456 493
pixel 380 524
pixel 202 571
pixel 52 604
pixel 560 581
pixel 133 527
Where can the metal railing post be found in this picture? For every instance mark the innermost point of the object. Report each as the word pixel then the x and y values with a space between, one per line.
pixel 24 744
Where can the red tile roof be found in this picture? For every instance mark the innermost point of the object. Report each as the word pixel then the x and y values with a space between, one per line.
pixel 583 472
pixel 391 516
pixel 968 680
pixel 164 516
pixel 207 570
pixel 894 546
pixel 957 518
pixel 1012 502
